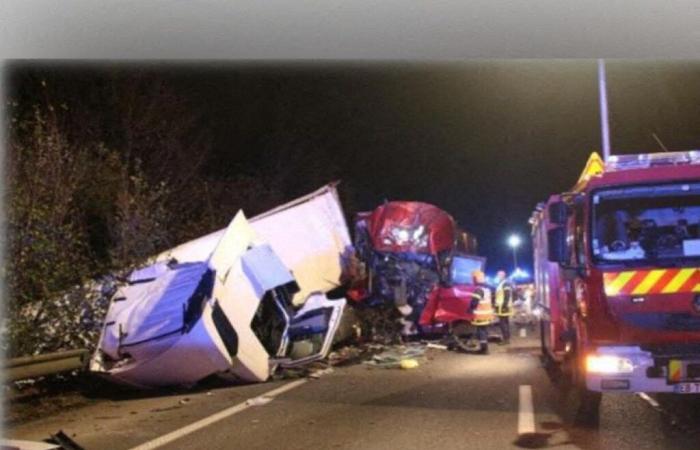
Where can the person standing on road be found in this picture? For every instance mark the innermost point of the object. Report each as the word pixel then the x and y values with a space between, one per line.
pixel 483 310
pixel 503 304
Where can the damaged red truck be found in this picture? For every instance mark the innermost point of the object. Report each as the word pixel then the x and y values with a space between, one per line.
pixel 407 250
pixel 616 273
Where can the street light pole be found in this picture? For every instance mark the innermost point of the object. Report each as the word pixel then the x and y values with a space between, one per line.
pixel 603 102
pixel 515 259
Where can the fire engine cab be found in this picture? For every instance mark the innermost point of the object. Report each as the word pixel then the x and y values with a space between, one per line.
pixel 617 277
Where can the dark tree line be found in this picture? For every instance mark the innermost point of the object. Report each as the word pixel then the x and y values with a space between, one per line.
pixel 105 169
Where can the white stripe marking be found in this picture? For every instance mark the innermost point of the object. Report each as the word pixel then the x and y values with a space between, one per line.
pixel 191 428
pixel 526 412
pixel 523 332
pixel 648 399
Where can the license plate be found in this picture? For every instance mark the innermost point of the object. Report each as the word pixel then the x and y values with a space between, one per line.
pixel 687 388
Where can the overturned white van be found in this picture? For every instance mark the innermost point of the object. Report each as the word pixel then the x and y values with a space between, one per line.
pixel 309 234
pixel 230 314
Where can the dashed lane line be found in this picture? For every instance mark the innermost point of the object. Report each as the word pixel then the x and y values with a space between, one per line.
pixel 526 410
pixel 203 423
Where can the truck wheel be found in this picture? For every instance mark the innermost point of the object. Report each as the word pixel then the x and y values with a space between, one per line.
pixel 586 403
pixel 464 337
pixel 588 411
pixel 546 356
pixel 552 368
pixel 542 346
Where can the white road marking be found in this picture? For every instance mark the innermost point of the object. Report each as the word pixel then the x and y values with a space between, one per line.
pixel 523 332
pixel 526 411
pixel 191 428
pixel 644 396
pixel 27 445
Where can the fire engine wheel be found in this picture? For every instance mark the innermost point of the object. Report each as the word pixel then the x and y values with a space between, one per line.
pixel 546 356
pixel 586 403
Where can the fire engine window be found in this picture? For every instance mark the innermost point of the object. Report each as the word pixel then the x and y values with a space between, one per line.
pixel 644 223
pixel 579 234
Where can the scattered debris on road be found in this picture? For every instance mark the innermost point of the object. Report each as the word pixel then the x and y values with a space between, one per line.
pixel 319 373
pixel 436 346
pixel 258 401
pixel 64 441
pixel 395 357
pixel 407 364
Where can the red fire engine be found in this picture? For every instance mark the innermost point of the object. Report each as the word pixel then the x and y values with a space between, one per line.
pixel 617 277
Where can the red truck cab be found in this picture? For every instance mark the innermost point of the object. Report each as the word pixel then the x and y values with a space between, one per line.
pixel 617 278
pixel 406 249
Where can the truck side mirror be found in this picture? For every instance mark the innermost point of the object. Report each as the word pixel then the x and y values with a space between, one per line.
pixel 558 213
pixel 557 248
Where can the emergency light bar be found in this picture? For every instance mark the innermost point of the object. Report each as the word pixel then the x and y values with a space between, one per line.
pixel 645 160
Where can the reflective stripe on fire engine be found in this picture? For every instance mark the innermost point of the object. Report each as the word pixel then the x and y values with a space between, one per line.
pixel 657 281
pixel 678 281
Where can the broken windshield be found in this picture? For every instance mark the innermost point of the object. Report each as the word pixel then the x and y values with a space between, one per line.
pixel 647 223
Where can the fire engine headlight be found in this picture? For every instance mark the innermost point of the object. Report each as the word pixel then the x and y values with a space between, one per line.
pixel 608 364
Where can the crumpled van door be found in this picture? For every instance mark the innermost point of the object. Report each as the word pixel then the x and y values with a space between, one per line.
pixel 311 330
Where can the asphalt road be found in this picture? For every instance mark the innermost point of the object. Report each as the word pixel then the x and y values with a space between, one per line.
pixel 452 400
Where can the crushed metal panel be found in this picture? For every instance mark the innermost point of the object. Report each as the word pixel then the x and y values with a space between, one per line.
pixel 233 242
pixel 265 270
pixel 311 238
pixel 308 234
pixel 160 347
pixel 149 308
pixel 312 330
pixel 239 297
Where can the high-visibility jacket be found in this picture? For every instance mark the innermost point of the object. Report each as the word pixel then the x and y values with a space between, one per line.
pixel 483 312
pixel 504 299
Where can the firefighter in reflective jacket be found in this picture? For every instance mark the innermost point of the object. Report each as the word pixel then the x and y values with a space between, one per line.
pixel 503 304
pixel 482 310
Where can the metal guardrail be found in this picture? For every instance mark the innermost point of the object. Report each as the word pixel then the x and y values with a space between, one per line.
pixel 41 365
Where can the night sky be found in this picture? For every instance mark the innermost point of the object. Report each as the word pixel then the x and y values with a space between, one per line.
pixel 483 140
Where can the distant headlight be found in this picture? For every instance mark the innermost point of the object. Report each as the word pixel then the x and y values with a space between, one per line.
pixel 608 364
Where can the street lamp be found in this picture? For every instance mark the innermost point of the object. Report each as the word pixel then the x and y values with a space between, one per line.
pixel 514 243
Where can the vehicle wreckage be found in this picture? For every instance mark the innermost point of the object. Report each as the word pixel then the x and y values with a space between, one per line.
pixel 236 303
pixel 406 249
pixel 403 246
pixel 449 308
